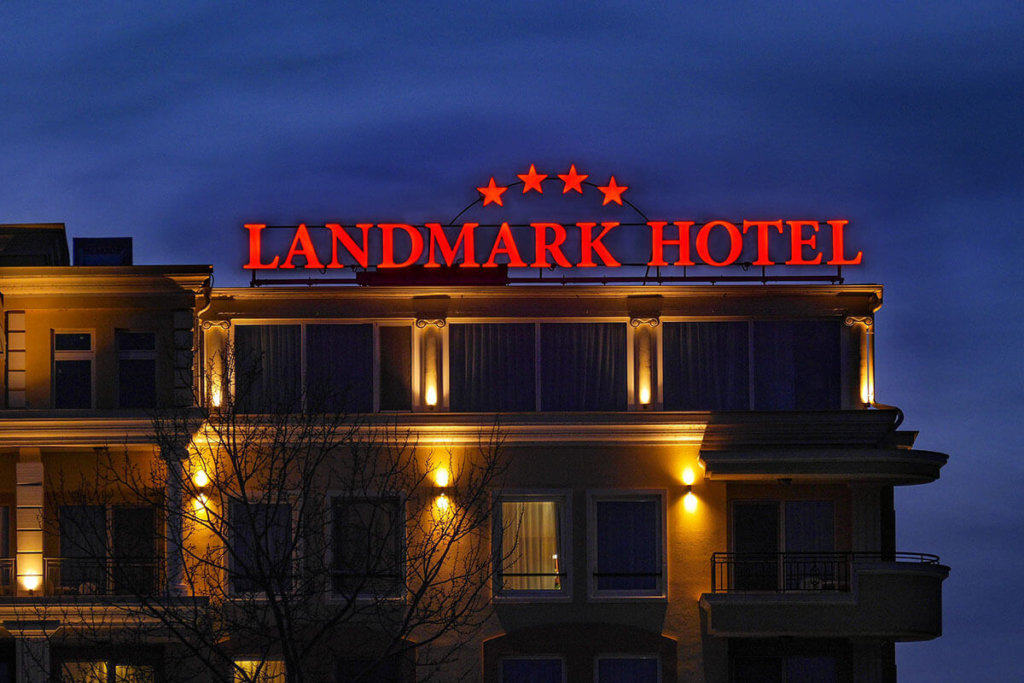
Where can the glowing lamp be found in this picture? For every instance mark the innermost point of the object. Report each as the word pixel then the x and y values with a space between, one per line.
pixel 688 476
pixel 201 479
pixel 31 582
pixel 442 477
pixel 442 503
pixel 431 395
pixel 690 502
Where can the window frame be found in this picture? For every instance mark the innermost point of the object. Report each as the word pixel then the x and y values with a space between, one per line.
pixel 376 324
pixel 560 496
pixel 658 496
pixel 73 355
pixel 402 590
pixel 137 354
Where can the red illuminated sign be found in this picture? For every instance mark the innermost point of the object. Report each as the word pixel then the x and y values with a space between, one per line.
pixel 716 243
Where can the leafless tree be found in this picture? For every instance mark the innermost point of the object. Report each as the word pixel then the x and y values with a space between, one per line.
pixel 294 542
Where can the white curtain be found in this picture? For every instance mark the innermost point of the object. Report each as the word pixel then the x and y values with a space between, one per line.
pixel 529 545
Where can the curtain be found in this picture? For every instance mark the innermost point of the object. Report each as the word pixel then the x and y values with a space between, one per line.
pixel 706 366
pixel 628 544
pixel 260 535
pixel 583 366
pixel 796 365
pixel 529 545
pixel 492 367
pixel 267 368
pixel 339 368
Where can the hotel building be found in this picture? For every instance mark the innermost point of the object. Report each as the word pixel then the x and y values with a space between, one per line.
pixel 699 484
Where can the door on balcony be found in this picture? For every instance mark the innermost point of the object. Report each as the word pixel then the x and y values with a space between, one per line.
pixel 133 550
pixel 106 550
pixel 790 540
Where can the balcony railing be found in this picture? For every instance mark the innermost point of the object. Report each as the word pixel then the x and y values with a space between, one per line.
pixel 796 572
pixel 73 576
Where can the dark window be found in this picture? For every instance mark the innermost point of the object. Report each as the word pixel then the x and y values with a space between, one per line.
pixel 72 341
pixel 367 548
pixel 796 537
pixel 395 367
pixel 72 369
pixel 531 670
pixel 134 554
pixel 796 365
pixel 706 366
pixel 82 569
pixel 492 367
pixel 260 535
pixel 339 368
pixel 268 368
pixel 628 545
pixel 136 369
pixel 583 366
pixel 627 670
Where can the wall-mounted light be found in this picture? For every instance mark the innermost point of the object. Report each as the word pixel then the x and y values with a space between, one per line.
pixel 442 478
pixel 200 506
pixel 689 500
pixel 442 503
pixel 644 341
pixel 201 479
pixel 31 582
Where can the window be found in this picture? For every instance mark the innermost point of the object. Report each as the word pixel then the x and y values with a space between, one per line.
pixel 105 551
pixel 583 366
pixel 105 671
pixel 628 545
pixel 136 369
pixel 72 369
pixel 776 660
pixel 259 671
pixel 796 365
pixel 268 368
pixel 260 536
pixel 395 367
pixel 706 366
pixel 492 367
pixel 793 540
pixel 532 670
pixel 531 548
pixel 368 535
pixel 628 670
pixel 339 368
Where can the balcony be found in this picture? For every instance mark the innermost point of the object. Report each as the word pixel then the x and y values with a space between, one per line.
pixel 896 596
pixel 90 577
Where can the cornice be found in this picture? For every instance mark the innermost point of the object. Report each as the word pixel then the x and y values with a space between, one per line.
pixel 127 280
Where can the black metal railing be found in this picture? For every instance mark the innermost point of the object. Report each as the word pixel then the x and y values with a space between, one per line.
pixel 796 572
pixel 75 576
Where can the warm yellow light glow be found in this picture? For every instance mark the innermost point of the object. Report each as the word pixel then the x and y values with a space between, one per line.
pixel 431 371
pixel 442 477
pixel 690 502
pixel 200 478
pixel 215 397
pixel 199 506
pixel 688 476
pixel 645 393
pixel 644 365
pixel 442 502
pixel 431 395
pixel 31 581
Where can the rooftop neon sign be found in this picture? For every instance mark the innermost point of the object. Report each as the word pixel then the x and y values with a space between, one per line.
pixel 717 243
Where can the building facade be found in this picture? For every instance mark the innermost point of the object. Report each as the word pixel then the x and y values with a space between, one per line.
pixel 696 483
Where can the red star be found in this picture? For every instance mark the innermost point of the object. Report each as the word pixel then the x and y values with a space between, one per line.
pixel 532 180
pixel 612 192
pixel 573 180
pixel 492 193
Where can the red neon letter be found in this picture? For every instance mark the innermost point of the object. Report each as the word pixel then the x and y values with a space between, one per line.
pixel 254 248
pixel 387 245
pixel 505 244
pixel 465 238
pixel 762 239
pixel 796 236
pixel 735 243
pixel 837 246
pixel 658 243
pixel 589 244
pixel 302 245
pixel 540 253
pixel 340 235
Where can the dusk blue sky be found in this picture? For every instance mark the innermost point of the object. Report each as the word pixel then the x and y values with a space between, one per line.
pixel 175 123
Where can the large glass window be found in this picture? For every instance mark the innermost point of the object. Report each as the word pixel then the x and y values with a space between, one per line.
pixel 796 538
pixel 260 536
pixel 796 365
pixel 583 366
pixel 492 367
pixel 706 366
pixel 532 670
pixel 259 671
pixel 339 368
pixel 628 543
pixel 395 367
pixel 367 546
pixel 268 368
pixel 72 369
pixel 136 369
pixel 82 569
pixel 532 554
